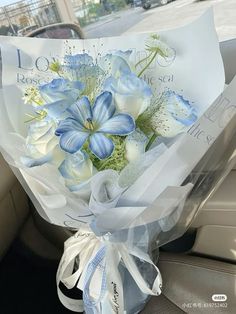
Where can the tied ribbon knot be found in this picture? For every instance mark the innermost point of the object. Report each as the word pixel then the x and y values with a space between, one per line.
pixel 97 274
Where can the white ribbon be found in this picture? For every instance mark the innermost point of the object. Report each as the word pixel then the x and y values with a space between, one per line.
pixel 98 260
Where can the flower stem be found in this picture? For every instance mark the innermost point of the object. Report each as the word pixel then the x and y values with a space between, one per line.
pixel 37 102
pixel 142 60
pixel 151 141
pixel 148 64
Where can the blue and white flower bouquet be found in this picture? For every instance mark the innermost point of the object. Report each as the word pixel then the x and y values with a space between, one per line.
pixel 104 141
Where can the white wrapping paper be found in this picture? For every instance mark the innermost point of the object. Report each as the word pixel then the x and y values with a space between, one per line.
pixel 26 61
pixel 113 248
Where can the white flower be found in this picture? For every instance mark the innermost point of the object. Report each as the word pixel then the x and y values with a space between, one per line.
pixel 135 145
pixel 77 170
pixel 155 44
pixel 40 143
pixel 116 63
pixel 131 94
pixel 41 136
pixel 174 115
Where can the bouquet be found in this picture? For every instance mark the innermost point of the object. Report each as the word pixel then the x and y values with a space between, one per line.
pixel 104 136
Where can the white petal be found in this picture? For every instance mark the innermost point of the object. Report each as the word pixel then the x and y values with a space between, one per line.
pixel 132 104
pixel 135 145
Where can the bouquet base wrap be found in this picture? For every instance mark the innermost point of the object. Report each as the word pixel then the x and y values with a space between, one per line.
pixel 99 258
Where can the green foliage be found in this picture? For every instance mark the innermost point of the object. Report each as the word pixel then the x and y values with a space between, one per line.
pixel 82 21
pixel 94 9
pixel 97 10
pixel 117 161
pixel 118 4
pixel 143 123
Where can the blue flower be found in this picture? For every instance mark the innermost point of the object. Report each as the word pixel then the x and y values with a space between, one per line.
pixel 92 123
pixel 131 94
pixel 82 67
pixel 77 60
pixel 174 115
pixel 59 95
pixel 61 88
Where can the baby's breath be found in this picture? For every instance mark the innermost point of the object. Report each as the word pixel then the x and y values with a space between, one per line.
pixel 40 115
pixel 32 96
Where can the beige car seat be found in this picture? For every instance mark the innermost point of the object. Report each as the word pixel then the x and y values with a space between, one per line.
pixel 14 207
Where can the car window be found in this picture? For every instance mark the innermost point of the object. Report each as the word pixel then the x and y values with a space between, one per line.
pixel 99 18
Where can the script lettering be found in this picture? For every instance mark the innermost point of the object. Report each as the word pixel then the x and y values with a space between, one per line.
pixel 22 79
pixel 197 132
pixel 115 297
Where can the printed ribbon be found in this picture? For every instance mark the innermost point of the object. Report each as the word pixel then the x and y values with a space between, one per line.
pixel 98 275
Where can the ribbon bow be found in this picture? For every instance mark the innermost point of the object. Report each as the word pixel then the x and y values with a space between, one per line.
pixel 98 275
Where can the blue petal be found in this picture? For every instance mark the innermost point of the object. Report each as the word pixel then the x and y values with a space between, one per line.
pixel 31 162
pixel 68 125
pixel 81 110
pixel 62 169
pixel 72 141
pixel 84 73
pixel 120 124
pixel 115 65
pixel 123 54
pixel 72 90
pixel 61 89
pixel 119 65
pixel 130 83
pixel 51 85
pixel 77 60
pixel 103 108
pixel 188 121
pixel 54 86
pixel 56 109
pixel 180 109
pixel 77 85
pixel 101 146
pixel 110 84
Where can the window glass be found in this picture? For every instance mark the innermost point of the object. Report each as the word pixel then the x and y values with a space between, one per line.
pixel 100 18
